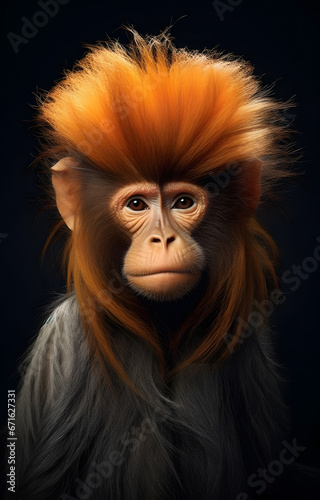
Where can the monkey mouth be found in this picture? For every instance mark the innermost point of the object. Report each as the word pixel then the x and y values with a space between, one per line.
pixel 164 284
pixel 141 275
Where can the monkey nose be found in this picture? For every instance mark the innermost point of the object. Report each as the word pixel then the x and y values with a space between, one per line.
pixel 163 240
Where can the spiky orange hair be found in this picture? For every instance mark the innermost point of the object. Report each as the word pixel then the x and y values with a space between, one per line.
pixel 154 111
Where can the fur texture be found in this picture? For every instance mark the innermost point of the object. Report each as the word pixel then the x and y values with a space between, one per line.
pixel 198 437
pixel 111 408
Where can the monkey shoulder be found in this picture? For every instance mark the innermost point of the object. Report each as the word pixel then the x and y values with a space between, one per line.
pixel 51 366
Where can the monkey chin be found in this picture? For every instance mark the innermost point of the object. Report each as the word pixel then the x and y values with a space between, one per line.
pixel 164 286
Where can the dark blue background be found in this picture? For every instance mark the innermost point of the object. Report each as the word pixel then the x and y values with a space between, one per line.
pixel 281 39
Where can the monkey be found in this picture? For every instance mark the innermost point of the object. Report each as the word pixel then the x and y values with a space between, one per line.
pixel 154 377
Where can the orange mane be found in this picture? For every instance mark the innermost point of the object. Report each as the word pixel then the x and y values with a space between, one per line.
pixel 154 112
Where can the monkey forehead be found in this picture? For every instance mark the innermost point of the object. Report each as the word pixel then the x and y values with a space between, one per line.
pixel 154 190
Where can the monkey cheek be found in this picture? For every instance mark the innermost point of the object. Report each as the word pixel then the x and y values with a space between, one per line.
pixel 164 286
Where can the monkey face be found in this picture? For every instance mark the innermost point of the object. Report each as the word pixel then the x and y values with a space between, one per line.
pixel 163 261
pixel 164 250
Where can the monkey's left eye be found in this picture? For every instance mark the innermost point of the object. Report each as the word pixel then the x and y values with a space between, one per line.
pixel 137 204
pixel 183 203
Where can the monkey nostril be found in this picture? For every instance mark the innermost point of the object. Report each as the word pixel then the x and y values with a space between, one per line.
pixel 158 240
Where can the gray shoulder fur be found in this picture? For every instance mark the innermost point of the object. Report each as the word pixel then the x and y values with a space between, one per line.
pixel 198 437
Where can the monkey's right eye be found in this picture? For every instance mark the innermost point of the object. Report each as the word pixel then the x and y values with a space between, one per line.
pixel 137 205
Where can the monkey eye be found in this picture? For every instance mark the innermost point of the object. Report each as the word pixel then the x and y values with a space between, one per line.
pixel 183 203
pixel 137 204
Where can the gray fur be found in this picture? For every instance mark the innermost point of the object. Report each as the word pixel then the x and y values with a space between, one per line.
pixel 197 437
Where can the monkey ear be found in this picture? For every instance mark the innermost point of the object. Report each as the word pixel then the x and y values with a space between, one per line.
pixel 65 181
pixel 250 182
